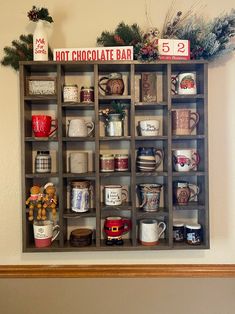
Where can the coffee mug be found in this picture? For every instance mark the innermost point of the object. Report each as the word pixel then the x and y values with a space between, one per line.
pixel 42 124
pixel 45 233
pixel 78 162
pixel 184 121
pixel 79 128
pixel 114 195
pixel 114 228
pixel 184 84
pixel 150 196
pixel 150 231
pixel 185 192
pixel 185 159
pixel 149 127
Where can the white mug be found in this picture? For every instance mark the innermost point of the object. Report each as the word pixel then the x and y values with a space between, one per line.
pixel 45 233
pixel 150 231
pixel 149 127
pixel 114 195
pixel 185 159
pixel 79 128
pixel 186 84
pixel 78 162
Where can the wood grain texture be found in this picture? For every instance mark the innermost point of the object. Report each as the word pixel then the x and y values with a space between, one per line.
pixel 119 271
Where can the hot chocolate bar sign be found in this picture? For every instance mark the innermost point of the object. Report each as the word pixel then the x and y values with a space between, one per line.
pixel 93 54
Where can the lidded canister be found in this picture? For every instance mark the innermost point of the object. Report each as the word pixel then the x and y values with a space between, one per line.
pixel 106 163
pixel 193 234
pixel 121 162
pixel 43 162
pixel 80 196
pixel 70 93
pixel 87 94
pixel 178 231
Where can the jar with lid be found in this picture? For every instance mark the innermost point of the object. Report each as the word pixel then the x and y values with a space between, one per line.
pixel 70 93
pixel 80 196
pixel 121 162
pixel 193 234
pixel 43 162
pixel 178 231
pixel 106 163
pixel 87 94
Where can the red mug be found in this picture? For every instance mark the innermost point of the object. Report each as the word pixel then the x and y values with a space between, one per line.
pixel 114 228
pixel 42 125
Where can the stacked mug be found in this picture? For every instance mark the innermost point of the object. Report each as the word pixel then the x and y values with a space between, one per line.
pixel 148 159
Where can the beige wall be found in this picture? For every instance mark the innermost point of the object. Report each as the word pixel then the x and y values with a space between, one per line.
pixel 77 24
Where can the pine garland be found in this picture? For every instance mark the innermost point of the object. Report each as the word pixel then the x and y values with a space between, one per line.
pixel 21 50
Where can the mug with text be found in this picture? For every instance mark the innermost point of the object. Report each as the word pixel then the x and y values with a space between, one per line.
pixel 45 233
pixel 184 121
pixel 114 195
pixel 149 127
pixel 42 125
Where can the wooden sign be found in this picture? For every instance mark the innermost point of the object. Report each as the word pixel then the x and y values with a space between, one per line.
pixel 94 54
pixel 174 49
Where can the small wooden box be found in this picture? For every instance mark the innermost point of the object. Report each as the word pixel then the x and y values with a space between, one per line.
pixel 40 86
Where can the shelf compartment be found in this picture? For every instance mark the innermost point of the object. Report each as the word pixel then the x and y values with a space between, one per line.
pixel 190 206
pixel 78 139
pixel 188 173
pixel 151 138
pixel 115 174
pixel 115 138
pixel 150 105
pixel 152 174
pixel 69 214
pixel 40 139
pixel 78 105
pixel 105 208
pixel 41 175
pixel 79 175
pixel 141 214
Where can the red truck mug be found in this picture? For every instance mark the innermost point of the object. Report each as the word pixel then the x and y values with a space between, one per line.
pixel 42 125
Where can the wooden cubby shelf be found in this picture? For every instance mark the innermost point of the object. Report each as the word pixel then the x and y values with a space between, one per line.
pixel 61 145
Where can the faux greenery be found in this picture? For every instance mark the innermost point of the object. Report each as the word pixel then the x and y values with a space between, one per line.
pixel 36 14
pixel 116 107
pixel 123 35
pixel 21 50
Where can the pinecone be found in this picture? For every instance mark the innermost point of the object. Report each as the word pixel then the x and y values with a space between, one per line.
pixel 33 16
pixel 119 40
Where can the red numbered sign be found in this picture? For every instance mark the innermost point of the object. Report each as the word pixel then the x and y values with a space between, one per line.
pixel 173 49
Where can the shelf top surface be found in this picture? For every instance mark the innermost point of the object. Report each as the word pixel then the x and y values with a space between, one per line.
pixel 114 62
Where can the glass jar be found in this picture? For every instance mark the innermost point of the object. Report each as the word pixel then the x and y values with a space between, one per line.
pixel 106 163
pixel 80 196
pixel 193 234
pixel 70 93
pixel 87 94
pixel 43 162
pixel 121 162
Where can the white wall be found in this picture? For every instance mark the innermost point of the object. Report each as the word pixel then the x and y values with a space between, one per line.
pixel 77 24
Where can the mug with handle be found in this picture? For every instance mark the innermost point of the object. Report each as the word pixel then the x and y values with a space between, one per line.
pixel 42 125
pixel 80 128
pixel 150 230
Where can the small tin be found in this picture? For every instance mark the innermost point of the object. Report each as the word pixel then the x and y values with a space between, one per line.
pixel 106 163
pixel 43 162
pixel 81 237
pixel 70 93
pixel 87 94
pixel 178 232
pixel 193 234
pixel 121 162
